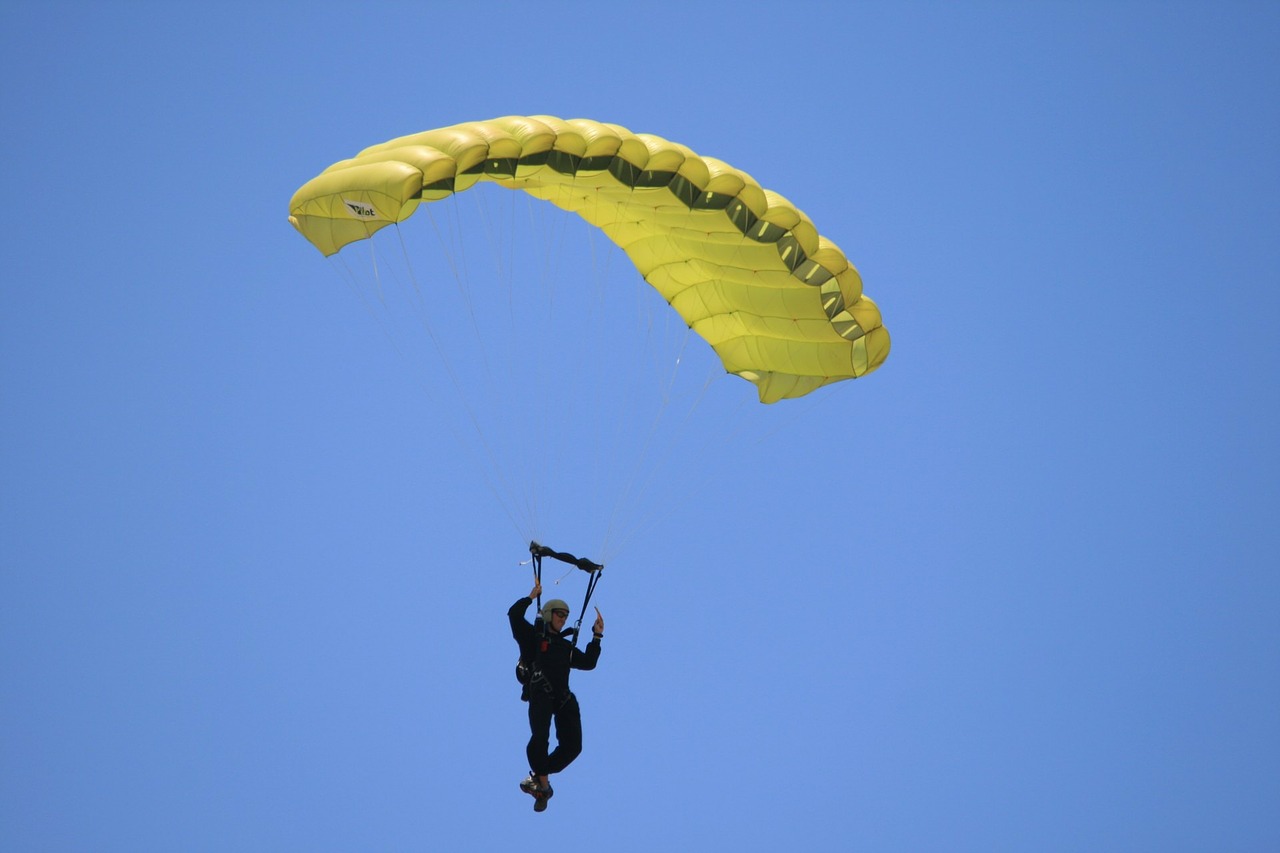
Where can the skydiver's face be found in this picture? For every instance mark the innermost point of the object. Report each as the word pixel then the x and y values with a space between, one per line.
pixel 558 618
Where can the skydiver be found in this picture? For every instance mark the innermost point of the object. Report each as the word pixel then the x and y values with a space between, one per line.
pixel 548 655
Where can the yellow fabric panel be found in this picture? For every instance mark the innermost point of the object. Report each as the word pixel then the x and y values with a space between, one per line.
pixel 779 303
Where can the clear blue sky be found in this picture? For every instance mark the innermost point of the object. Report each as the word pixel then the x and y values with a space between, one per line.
pixel 1017 590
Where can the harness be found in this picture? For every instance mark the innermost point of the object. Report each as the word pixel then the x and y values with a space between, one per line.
pixel 528 673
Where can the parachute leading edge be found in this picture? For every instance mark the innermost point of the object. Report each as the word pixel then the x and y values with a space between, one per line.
pixel 779 303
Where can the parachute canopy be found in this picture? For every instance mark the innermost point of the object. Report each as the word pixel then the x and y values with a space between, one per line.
pixel 778 302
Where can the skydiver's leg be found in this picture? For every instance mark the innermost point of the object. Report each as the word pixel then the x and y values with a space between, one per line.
pixel 568 735
pixel 541 709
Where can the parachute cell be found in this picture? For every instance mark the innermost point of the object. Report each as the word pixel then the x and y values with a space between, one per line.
pixel 779 303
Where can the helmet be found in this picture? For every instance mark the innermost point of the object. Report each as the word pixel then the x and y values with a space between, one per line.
pixel 553 604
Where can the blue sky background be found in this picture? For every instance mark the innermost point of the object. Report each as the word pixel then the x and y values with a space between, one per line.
pixel 1015 591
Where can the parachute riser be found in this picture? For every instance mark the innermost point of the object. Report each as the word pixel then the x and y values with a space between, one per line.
pixel 595 570
pixel 538 551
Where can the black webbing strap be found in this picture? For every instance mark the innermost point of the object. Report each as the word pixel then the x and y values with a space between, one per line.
pixel 592 569
pixel 539 551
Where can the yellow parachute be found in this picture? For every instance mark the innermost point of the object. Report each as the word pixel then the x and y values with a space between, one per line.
pixel 778 302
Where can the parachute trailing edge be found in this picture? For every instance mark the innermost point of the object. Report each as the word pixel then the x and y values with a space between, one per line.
pixel 779 303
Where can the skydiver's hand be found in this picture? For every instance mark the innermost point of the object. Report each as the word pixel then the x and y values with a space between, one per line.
pixel 537 589
pixel 598 627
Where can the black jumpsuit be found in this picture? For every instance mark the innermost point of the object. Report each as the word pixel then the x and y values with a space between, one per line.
pixel 549 696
